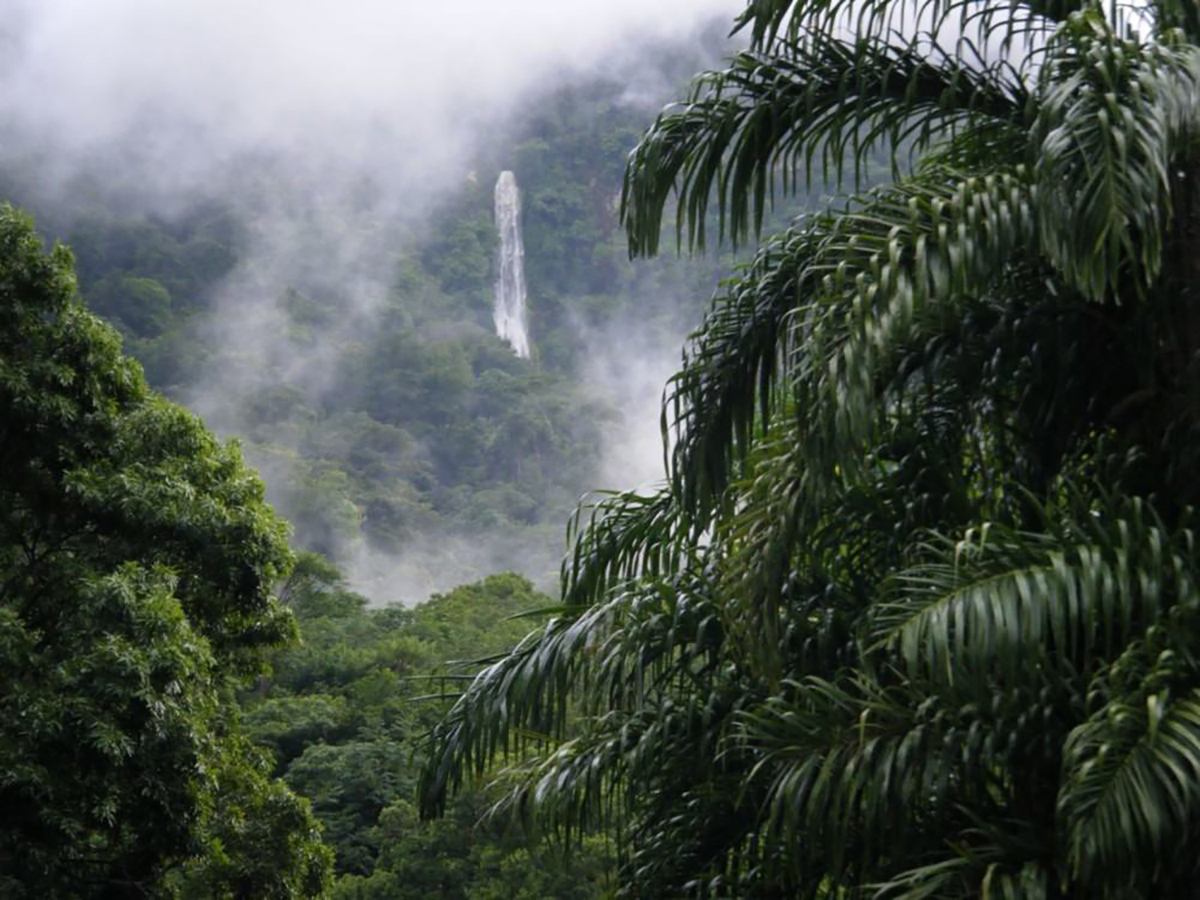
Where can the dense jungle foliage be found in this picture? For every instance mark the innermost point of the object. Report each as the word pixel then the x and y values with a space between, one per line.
pixel 169 727
pixel 137 567
pixel 916 613
pixel 343 718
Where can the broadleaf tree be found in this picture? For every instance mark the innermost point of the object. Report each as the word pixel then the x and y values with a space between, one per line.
pixel 137 564
pixel 915 612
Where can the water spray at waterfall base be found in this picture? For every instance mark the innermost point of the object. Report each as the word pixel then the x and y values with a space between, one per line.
pixel 510 311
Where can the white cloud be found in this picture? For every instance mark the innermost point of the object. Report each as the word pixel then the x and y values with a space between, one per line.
pixel 357 80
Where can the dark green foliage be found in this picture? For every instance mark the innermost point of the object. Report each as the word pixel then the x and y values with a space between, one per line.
pixel 107 710
pixel 258 838
pixel 916 614
pixel 141 305
pixel 155 279
pixel 460 253
pixel 462 856
pixel 344 716
pixel 137 562
pixel 349 784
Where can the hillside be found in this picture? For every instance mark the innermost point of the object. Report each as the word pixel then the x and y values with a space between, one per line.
pixel 353 354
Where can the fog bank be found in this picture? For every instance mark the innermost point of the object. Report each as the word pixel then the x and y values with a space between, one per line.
pixel 335 128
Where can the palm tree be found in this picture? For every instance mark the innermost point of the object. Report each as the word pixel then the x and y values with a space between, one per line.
pixel 916 612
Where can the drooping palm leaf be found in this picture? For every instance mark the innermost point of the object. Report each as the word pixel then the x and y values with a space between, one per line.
pixel 640 641
pixel 620 536
pixel 818 316
pixel 823 100
pixel 769 21
pixel 1131 787
pixel 1001 601
pixel 1114 118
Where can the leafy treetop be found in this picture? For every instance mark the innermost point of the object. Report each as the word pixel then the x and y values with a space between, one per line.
pixel 137 560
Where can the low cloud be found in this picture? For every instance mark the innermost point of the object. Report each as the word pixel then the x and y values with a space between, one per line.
pixel 189 87
pixel 334 127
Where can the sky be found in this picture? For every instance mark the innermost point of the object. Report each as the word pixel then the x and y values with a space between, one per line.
pixel 340 82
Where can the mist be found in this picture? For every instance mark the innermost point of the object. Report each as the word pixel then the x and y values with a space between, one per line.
pixel 336 87
pixel 336 129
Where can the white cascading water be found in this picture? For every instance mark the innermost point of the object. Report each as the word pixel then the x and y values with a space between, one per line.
pixel 509 312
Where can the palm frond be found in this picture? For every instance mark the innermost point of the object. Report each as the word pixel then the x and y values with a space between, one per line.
pixel 521 697
pixel 842 761
pixel 585 782
pixel 1131 786
pixel 949 877
pixel 969 871
pixel 645 639
pixel 1001 601
pixel 1114 117
pixel 822 101
pixel 875 274
pixel 772 21
pixel 777 675
pixel 621 536
pixel 724 395
pixel 817 317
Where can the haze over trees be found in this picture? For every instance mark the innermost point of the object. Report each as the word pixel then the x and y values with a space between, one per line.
pixel 137 756
pixel 916 611
pixel 407 435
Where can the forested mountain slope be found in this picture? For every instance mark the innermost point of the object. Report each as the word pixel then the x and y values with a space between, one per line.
pixel 354 355
pixel 399 436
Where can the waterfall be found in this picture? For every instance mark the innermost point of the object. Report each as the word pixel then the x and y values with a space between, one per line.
pixel 509 311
